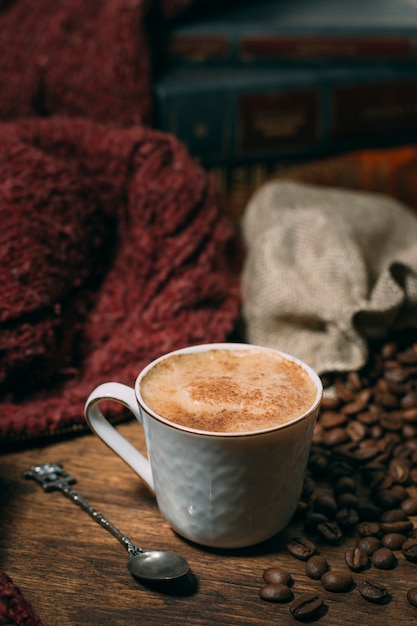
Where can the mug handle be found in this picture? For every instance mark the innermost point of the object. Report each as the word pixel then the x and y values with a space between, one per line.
pixel 117 392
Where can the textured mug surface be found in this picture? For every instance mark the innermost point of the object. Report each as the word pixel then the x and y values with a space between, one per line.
pixel 224 490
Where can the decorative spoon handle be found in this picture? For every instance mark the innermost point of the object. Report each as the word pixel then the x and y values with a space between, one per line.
pixel 52 477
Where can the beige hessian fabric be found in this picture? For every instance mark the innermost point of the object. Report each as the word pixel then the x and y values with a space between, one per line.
pixel 325 270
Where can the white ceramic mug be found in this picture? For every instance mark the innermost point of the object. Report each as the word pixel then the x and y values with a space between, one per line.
pixel 224 490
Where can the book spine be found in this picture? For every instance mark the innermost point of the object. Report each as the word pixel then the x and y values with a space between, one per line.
pixel 384 109
pixel 198 49
pixel 233 123
pixel 276 122
pixel 253 48
pixel 249 49
pixel 225 125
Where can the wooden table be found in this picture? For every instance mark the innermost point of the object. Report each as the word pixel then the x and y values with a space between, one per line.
pixel 74 573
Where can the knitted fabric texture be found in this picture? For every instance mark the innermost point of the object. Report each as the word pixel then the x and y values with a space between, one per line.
pixel 15 610
pixel 74 58
pixel 113 250
pixel 327 270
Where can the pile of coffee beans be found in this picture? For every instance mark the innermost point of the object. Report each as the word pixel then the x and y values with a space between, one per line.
pixel 278 589
pixel 364 452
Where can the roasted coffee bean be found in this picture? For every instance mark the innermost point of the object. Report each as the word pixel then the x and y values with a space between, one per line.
pixel 386 445
pixel 413 476
pixel 373 473
pixel 369 544
pixel 391 440
pixel 396 374
pixel 338 582
pixel 389 350
pixel 357 559
pixel 347 518
pixel 409 431
pixel 409 355
pixel 308 488
pixel 366 452
pixel 325 504
pixel 388 480
pixel 376 431
pixel 306 607
pixel 355 382
pixel 347 501
pixel 276 592
pixel 335 437
pixel 388 401
pixel 409 506
pixel 368 529
pixel 401 388
pixel 384 558
pixel 318 463
pixel 368 417
pixel 403 450
pixel 352 408
pixel 312 520
pixel 369 512
pixel 403 527
pixel 400 491
pixel 394 541
pixel 393 515
pixel 330 531
pixel 399 468
pixel 301 548
pixel 409 401
pixel 356 430
pixel 391 362
pixel 386 499
pixel 302 507
pixel 339 468
pixel 343 392
pixel 345 484
pixel 372 593
pixel 410 415
pixel 409 549
pixel 412 596
pixel 406 447
pixel 365 395
pixel 383 444
pixel 316 566
pixel 332 419
pixel 276 575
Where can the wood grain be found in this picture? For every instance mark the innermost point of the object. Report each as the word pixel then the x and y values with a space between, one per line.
pixel 74 572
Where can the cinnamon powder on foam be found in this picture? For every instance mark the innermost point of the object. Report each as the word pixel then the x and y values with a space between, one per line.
pixel 228 391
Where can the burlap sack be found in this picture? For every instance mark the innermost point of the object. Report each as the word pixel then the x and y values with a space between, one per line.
pixel 326 270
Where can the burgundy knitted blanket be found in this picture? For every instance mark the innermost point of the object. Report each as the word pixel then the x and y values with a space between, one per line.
pixel 75 58
pixel 113 250
pixel 15 610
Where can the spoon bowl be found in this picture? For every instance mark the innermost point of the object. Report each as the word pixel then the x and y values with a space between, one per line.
pixel 156 565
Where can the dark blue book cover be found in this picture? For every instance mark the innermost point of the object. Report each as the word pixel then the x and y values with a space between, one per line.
pixel 293 31
pixel 228 115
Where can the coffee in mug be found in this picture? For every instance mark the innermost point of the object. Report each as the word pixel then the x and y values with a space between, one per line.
pixel 228 430
pixel 228 390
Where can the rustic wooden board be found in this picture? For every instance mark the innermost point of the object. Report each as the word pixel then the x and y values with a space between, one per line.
pixel 74 573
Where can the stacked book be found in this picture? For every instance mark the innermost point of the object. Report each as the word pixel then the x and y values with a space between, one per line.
pixel 277 81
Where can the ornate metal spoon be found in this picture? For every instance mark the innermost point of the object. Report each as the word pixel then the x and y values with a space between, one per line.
pixel 151 565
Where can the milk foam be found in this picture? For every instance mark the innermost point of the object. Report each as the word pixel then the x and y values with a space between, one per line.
pixel 228 390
